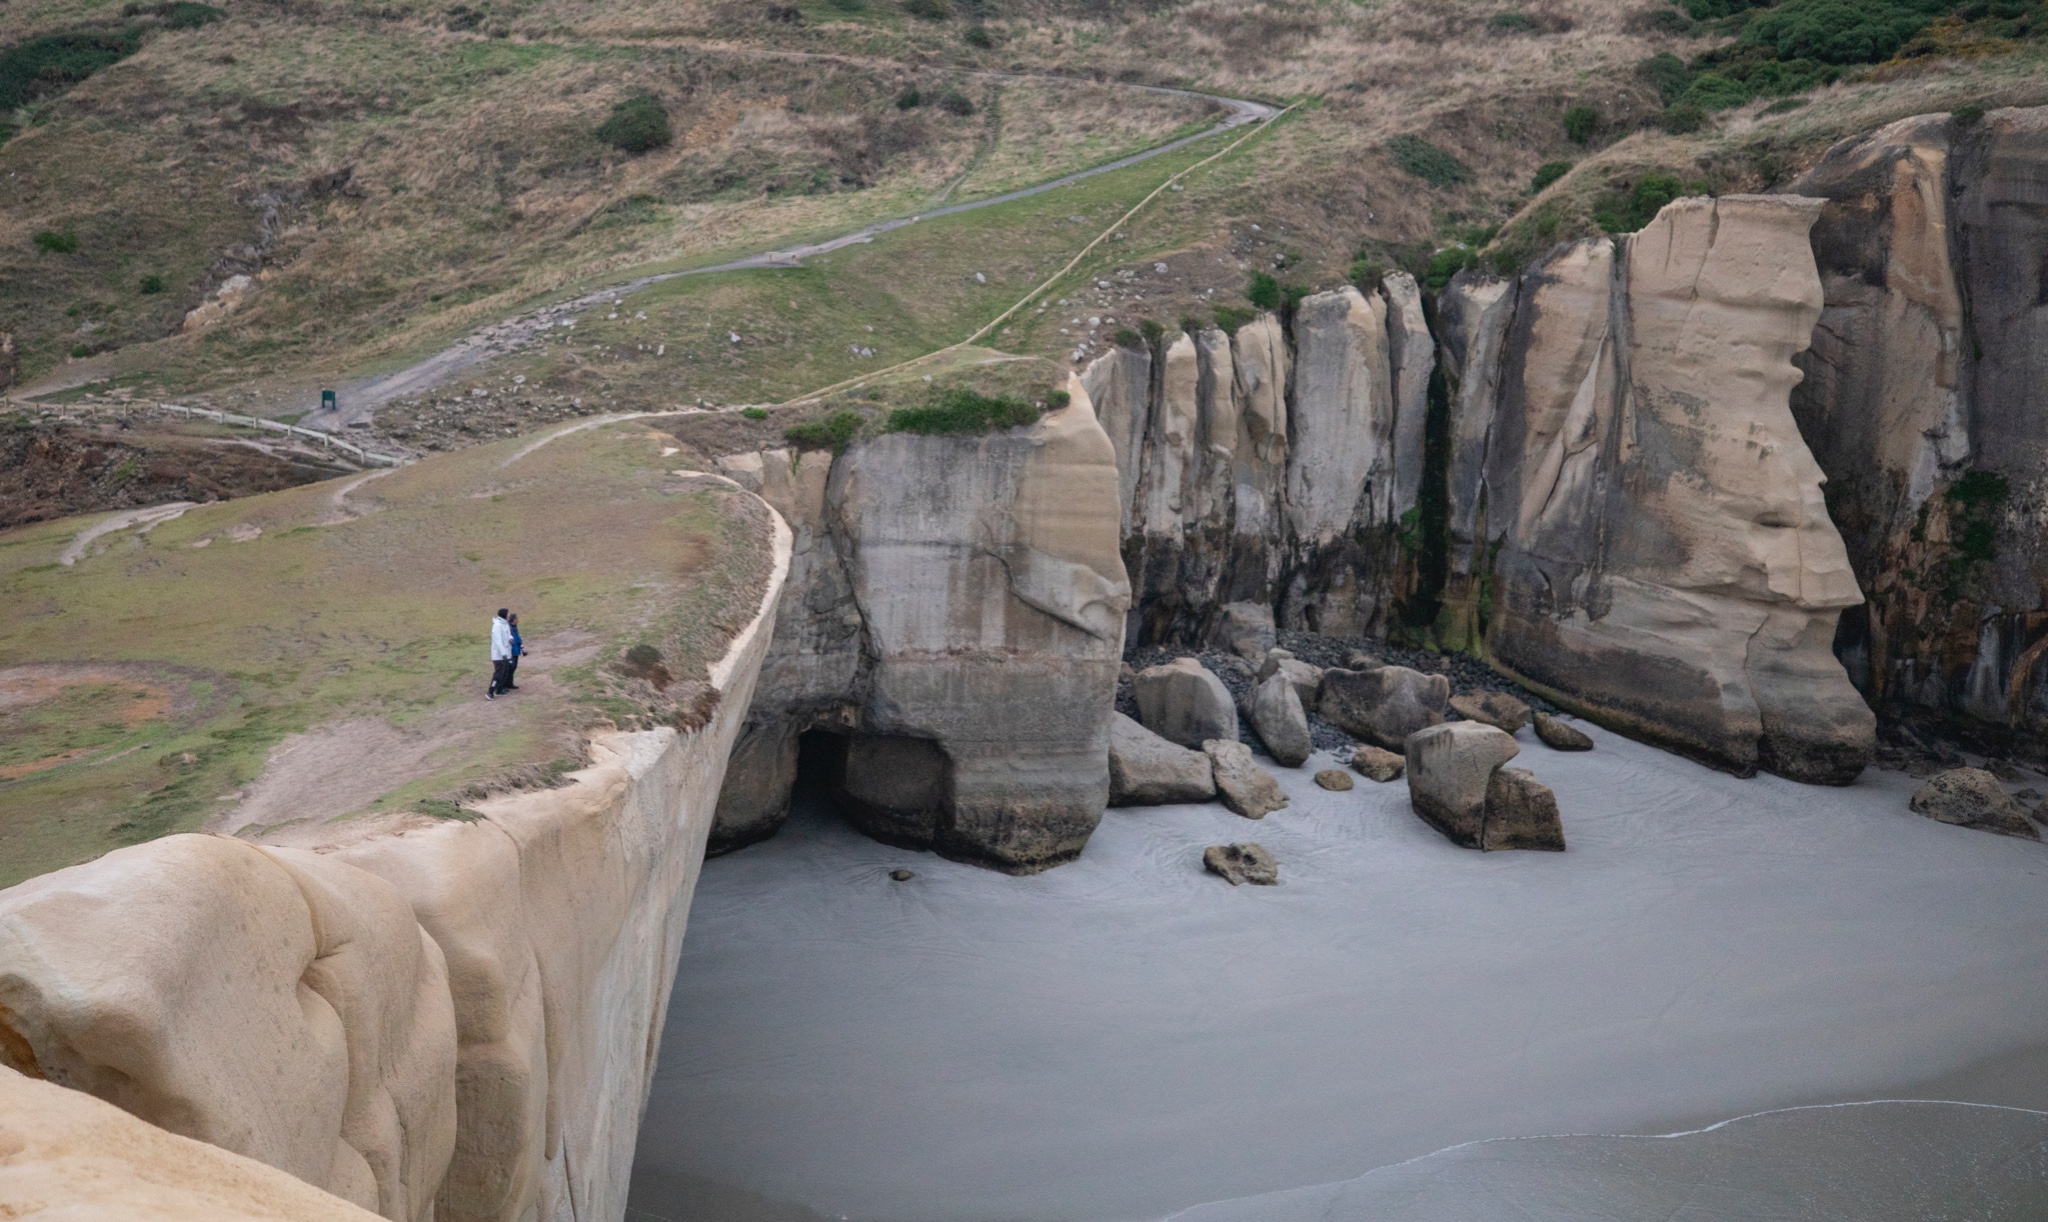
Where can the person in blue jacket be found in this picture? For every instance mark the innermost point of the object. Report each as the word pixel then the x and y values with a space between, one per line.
pixel 518 652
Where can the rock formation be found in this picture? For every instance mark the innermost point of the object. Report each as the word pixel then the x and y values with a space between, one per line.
pixel 1456 782
pixel 1276 713
pixel 1241 863
pixel 1559 736
pixel 1243 786
pixel 1147 770
pixel 958 610
pixel 1972 797
pixel 1184 702
pixel 1384 705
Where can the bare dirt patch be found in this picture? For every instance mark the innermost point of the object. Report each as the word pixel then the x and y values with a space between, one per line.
pixel 52 715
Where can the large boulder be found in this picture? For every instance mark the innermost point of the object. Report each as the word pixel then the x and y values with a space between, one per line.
pixel 1496 709
pixel 1560 735
pixel 1246 629
pixel 1183 701
pixel 1147 770
pixel 1242 863
pixel 1521 813
pixel 1306 677
pixel 1277 715
pixel 1972 797
pixel 1386 705
pixel 1245 788
pixel 1450 768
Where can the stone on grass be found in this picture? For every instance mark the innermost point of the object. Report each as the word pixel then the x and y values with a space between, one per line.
pixel 1379 764
pixel 1246 630
pixel 1147 770
pixel 1559 735
pixel 1497 709
pixel 1521 813
pixel 1242 863
pixel 1183 701
pixel 1245 788
pixel 1384 706
pixel 1334 779
pixel 1276 713
pixel 1306 678
pixel 1450 768
pixel 1972 797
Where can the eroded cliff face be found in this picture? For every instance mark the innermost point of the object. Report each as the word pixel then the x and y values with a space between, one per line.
pixel 1653 537
pixel 960 619
pixel 1923 405
pixel 430 1019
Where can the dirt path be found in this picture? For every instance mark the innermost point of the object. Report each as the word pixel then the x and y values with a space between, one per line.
pixel 360 400
pixel 144 518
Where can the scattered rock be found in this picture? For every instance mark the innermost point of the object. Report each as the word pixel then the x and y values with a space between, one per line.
pixel 1307 679
pixel 1242 863
pixel 1521 813
pixel 1386 705
pixel 1245 788
pixel 1236 673
pixel 1147 770
pixel 1380 765
pixel 902 876
pixel 1335 779
pixel 1450 768
pixel 1185 702
pixel 1361 661
pixel 1559 736
pixel 1276 713
pixel 2028 795
pixel 1972 797
pixel 1247 630
pixel 1497 709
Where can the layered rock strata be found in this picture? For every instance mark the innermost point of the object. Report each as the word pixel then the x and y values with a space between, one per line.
pixel 432 1019
pixel 957 610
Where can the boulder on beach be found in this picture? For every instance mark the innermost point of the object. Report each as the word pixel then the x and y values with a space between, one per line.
pixel 1147 770
pixel 1245 788
pixel 1497 709
pixel 1246 630
pixel 1276 713
pixel 1242 863
pixel 1306 678
pixel 1521 813
pixel 1450 768
pixel 1386 705
pixel 1560 735
pixel 1185 702
pixel 1379 764
pixel 1335 780
pixel 1972 797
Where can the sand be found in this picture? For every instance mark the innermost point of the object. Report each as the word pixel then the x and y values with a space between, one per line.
pixel 1127 1037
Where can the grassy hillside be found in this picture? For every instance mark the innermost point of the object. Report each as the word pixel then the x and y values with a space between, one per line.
pixel 144 686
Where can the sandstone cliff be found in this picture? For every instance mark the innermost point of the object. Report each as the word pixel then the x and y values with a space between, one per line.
pixel 430 1018
pixel 957 610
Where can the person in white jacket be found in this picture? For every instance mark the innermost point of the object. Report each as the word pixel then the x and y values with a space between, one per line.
pixel 501 654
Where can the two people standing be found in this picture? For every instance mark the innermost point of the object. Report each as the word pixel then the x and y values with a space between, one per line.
pixel 506 649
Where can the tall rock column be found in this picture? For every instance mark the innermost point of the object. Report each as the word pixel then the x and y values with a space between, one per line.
pixel 987 573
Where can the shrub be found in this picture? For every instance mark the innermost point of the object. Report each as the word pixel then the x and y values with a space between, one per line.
pixel 151 284
pixel 1708 10
pixel 835 432
pixel 1682 118
pixel 754 413
pixel 1630 210
pixel 1230 318
pixel 51 242
pixel 185 15
pixel 928 10
pixel 961 410
pixel 1367 273
pixel 1840 31
pixel 954 102
pixel 1667 74
pixel 849 6
pixel 784 14
pixel 636 125
pixel 1263 292
pixel 1713 91
pixel 1547 173
pixel 978 36
pixel 55 62
pixel 1426 161
pixel 1580 122
pixel 1966 115
pixel 6 132
pixel 1152 331
pixel 1667 21
pixel 1447 263
pixel 1510 23
pixel 909 99
pixel 1057 399
pixel 1128 337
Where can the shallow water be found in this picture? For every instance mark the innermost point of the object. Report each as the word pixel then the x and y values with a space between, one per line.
pixel 1126 1036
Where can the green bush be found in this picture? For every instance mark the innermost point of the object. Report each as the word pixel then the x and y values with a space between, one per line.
pixel 849 6
pixel 1426 161
pixel 1966 115
pixel 1230 318
pixel 1682 118
pixel 49 241
pixel 1447 263
pixel 1366 273
pixel 754 413
pixel 80 351
pixel 55 62
pixel 1708 10
pixel 1263 292
pixel 909 99
pixel 1547 173
pixel 954 102
pixel 1580 122
pixel 1630 210
pixel 636 125
pixel 928 10
pixel 1841 31
pixel 1128 337
pixel 1152 331
pixel 978 36
pixel 151 284
pixel 185 15
pixel 1667 74
pixel 835 432
pixel 1057 399
pixel 1713 91
pixel 961 410
pixel 6 132
pixel 1510 23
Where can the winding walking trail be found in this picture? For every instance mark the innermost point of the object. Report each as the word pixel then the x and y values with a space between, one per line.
pixel 360 401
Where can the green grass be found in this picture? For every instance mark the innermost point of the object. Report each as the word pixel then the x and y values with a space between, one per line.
pixel 381 616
